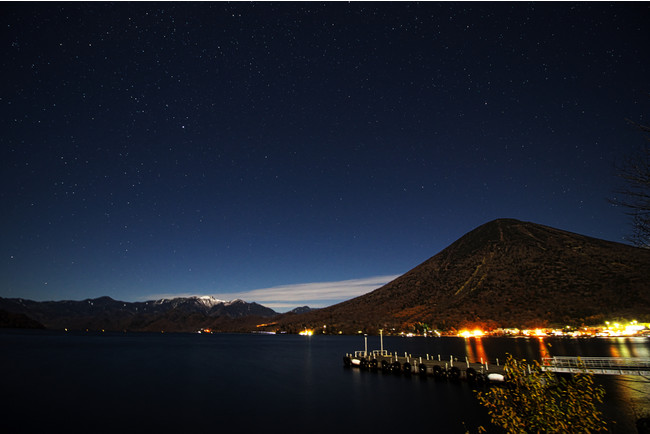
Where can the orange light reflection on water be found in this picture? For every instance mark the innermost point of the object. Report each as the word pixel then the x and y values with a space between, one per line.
pixel 475 351
pixel 469 350
pixel 543 349
pixel 614 350
pixel 629 347
pixel 480 351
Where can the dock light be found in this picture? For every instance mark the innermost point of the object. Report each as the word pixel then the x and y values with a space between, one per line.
pixel 306 332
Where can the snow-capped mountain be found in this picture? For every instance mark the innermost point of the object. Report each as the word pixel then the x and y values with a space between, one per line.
pixel 104 313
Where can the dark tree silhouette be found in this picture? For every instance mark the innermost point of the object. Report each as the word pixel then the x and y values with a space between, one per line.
pixel 635 195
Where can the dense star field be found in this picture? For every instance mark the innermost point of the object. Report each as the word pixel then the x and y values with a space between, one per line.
pixel 159 149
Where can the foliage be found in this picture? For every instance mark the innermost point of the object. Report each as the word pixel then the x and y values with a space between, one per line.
pixel 535 401
pixel 635 196
pixel 420 327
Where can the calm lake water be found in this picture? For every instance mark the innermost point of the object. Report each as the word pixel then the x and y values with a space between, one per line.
pixel 110 382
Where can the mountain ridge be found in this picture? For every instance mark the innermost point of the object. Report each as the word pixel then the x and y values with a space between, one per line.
pixel 503 273
pixel 105 313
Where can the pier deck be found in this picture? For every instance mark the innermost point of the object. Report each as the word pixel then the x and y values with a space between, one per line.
pixel 453 368
pixel 437 366
pixel 598 365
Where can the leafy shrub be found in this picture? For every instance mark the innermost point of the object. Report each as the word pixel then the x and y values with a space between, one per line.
pixel 535 401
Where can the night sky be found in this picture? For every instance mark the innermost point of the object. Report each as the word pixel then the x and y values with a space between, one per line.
pixel 301 153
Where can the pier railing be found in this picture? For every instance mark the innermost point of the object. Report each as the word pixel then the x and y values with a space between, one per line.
pixel 598 365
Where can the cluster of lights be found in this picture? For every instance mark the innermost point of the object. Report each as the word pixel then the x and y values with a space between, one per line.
pixel 617 329
pixel 306 332
pixel 476 333
pixel 611 329
pixel 536 332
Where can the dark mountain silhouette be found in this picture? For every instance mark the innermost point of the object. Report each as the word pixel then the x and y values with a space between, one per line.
pixel 18 321
pixel 104 313
pixel 505 273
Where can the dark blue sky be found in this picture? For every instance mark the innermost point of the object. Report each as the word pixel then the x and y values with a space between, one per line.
pixel 160 149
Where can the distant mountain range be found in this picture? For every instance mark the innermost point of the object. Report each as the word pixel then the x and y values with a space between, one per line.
pixel 506 273
pixel 104 313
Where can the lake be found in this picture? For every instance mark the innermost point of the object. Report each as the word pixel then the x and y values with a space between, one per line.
pixel 128 382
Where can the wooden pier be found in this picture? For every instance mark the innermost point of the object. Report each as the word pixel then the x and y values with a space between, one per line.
pixel 438 367
pixel 454 369
pixel 597 365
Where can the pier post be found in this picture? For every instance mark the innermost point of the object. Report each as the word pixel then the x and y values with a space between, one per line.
pixel 381 341
pixel 451 361
pixel 365 347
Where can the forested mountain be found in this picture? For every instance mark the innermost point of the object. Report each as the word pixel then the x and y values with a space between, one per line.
pixel 504 273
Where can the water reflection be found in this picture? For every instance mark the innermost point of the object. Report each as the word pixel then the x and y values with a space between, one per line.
pixel 629 347
pixel 621 348
pixel 475 351
pixel 480 351
pixel 536 348
pixel 469 351
pixel 641 349
pixel 543 349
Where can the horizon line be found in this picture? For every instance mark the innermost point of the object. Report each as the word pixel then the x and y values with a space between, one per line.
pixel 287 297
